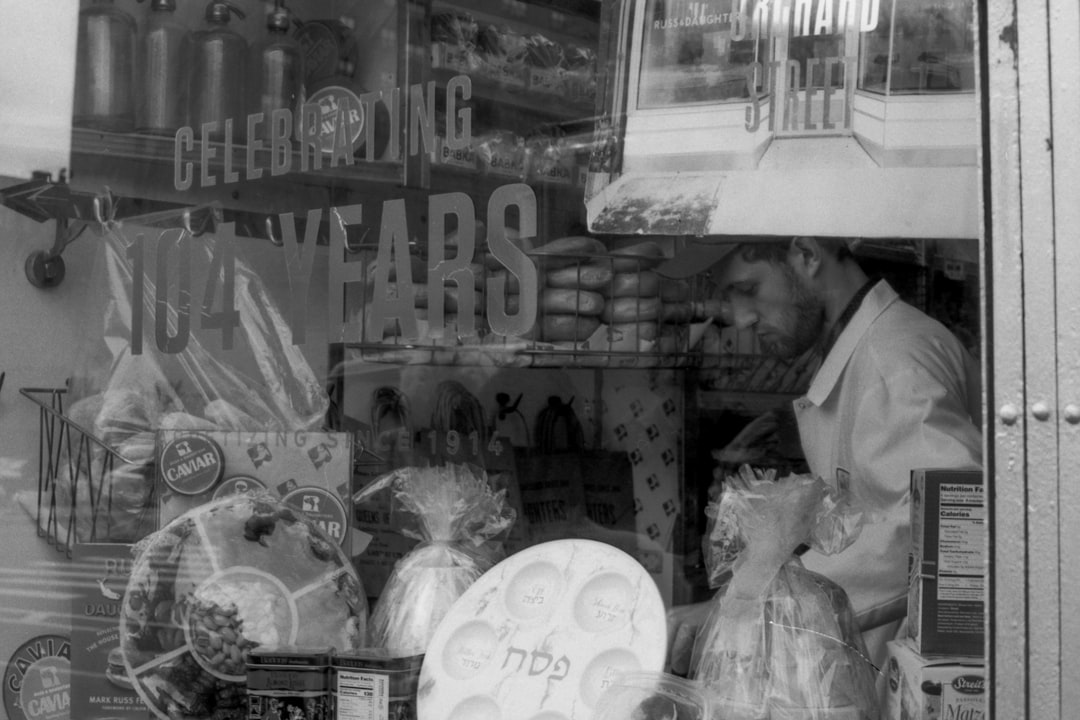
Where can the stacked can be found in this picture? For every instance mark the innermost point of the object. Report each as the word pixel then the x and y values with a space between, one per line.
pixel 372 684
pixel 289 683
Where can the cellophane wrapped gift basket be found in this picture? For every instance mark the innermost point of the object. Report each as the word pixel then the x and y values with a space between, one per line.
pixel 781 642
pixel 455 516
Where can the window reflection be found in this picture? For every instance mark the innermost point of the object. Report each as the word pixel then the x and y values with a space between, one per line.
pixel 920 47
pixel 817 48
pixel 690 57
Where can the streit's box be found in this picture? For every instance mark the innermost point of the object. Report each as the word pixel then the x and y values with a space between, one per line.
pixel 947 590
pixel 938 688
pixel 100 686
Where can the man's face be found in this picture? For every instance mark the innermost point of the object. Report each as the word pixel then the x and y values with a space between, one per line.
pixel 785 312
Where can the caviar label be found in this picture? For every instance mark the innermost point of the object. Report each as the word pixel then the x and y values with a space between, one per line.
pixel 341 118
pixel 324 509
pixel 238 485
pixel 37 680
pixel 191 464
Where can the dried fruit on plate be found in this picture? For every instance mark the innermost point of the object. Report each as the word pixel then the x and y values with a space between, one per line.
pixel 237 574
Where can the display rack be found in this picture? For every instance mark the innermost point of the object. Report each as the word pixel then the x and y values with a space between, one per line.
pixel 644 338
pixel 72 464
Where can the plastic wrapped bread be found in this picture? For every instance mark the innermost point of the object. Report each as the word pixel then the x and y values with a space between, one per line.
pixel 780 640
pixel 456 513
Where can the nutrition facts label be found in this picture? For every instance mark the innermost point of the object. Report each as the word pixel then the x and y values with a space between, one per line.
pixel 361 695
pixel 962 530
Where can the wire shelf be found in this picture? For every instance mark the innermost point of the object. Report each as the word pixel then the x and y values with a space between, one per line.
pixel 645 335
pixel 77 496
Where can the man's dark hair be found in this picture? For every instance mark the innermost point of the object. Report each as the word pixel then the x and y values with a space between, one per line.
pixel 776 251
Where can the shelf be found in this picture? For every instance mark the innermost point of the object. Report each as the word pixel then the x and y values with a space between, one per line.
pixel 520 95
pixel 144 166
pixel 515 355
pixel 563 19
pixel 446 178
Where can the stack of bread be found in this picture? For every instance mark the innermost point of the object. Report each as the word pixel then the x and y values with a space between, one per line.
pixel 571 279
pixel 453 300
pixel 581 287
pixel 633 307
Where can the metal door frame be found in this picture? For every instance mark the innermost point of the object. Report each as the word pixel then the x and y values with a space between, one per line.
pixel 1031 99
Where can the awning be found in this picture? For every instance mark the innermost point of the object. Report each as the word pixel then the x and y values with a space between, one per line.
pixel 893 202
pixel 851 198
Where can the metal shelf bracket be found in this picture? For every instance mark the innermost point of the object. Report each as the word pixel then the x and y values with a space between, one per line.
pixel 41 199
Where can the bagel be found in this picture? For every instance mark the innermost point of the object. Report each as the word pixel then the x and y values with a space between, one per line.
pixel 513 284
pixel 478 270
pixel 453 299
pixel 524 244
pixel 567 328
pixel 622 310
pixel 570 302
pixel 636 284
pixel 566 251
pixel 643 256
pixel 589 276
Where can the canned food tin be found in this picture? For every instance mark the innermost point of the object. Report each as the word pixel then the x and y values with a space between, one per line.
pixel 289 683
pixel 373 684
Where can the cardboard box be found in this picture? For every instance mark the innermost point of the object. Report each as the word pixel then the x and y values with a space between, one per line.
pixel 310 471
pixel 99 685
pixel 939 688
pixel 947 590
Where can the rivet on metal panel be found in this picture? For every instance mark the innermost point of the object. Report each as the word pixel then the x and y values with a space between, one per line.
pixel 1041 411
pixel 1009 414
pixel 1072 413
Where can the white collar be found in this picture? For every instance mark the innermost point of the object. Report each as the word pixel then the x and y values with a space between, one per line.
pixel 825 379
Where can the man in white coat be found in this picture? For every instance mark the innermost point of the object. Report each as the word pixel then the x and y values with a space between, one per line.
pixel 895 391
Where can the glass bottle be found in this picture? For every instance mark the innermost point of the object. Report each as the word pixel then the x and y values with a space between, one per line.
pixel 105 68
pixel 164 58
pixel 279 71
pixel 216 83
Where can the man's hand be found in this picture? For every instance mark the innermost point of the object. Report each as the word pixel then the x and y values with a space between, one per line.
pixel 683 624
pixel 757 441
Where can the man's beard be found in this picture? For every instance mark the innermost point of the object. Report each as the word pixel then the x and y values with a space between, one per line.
pixel 802 324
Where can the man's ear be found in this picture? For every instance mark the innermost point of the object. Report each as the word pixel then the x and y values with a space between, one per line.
pixel 806 254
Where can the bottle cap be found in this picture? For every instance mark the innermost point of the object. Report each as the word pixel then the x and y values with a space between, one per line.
pixel 219 12
pixel 278 21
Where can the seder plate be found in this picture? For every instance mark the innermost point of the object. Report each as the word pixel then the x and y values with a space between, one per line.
pixel 542 634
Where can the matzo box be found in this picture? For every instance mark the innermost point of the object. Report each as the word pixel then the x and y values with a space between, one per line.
pixel 947 591
pixel 938 688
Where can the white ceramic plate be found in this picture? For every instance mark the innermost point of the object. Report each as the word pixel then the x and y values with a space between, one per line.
pixel 542 634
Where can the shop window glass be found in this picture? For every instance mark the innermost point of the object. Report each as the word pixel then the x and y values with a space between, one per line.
pixel 920 47
pixel 815 49
pixel 694 53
